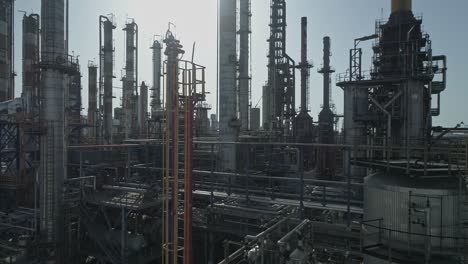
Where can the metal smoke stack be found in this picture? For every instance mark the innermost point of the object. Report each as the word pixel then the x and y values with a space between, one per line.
pixel 401 5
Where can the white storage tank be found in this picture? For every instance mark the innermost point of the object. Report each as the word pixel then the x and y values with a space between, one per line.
pixel 419 216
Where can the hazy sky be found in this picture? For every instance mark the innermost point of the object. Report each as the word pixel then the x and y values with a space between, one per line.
pixel 195 20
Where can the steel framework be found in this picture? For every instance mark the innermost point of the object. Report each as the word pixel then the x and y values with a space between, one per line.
pixel 181 98
pixel 280 93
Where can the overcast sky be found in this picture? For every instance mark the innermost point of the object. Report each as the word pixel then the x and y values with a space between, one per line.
pixel 195 20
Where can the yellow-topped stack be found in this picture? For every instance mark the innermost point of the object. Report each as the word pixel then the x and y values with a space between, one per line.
pixel 401 5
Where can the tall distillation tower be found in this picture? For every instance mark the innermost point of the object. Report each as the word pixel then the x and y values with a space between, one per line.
pixel 303 124
pixel 6 50
pixel 228 121
pixel 130 80
pixel 92 100
pixel 279 114
pixel 156 102
pixel 106 76
pixel 54 65
pixel 326 134
pixel 31 71
pixel 414 199
pixel 143 110
pixel 244 63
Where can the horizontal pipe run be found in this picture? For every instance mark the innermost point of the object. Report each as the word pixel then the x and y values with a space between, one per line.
pixel 18 227
pixel 264 177
pixel 298 228
pixel 84 178
pixel 104 146
pixel 234 255
pixel 123 188
pixel 317 145
pixel 269 230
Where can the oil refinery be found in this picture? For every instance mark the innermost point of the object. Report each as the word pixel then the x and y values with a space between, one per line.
pixel 161 175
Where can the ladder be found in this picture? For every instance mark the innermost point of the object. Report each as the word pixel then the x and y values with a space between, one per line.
pixel 48 186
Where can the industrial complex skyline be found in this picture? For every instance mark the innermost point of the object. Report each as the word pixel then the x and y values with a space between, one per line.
pixel 233 132
pixel 341 20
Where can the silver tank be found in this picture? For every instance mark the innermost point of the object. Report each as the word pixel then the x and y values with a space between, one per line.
pixel 419 215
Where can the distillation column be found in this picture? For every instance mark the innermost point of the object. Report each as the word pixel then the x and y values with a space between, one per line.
pixel 244 68
pixel 326 156
pixel 304 67
pixel 6 50
pixel 106 76
pixel 143 109
pixel 74 104
pixel 53 150
pixel 303 125
pixel 156 104
pixel 31 63
pixel 280 92
pixel 92 100
pixel 228 122
pixel 130 80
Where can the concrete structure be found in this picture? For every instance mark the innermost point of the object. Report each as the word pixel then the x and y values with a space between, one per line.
pixel 31 70
pixel 106 76
pixel 228 122
pixel 244 63
pixel 6 50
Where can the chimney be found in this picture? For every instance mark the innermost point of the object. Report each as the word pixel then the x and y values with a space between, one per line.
pixel 401 5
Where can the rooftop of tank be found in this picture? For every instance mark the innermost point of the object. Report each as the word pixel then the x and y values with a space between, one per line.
pixel 448 185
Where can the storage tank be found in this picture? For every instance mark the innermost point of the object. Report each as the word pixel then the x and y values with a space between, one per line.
pixel 416 215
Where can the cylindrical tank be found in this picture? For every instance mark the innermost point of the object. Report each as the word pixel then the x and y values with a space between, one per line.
pixel 31 62
pixel 6 50
pixel 418 215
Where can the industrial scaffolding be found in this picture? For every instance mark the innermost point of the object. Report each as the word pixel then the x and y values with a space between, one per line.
pixel 181 97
